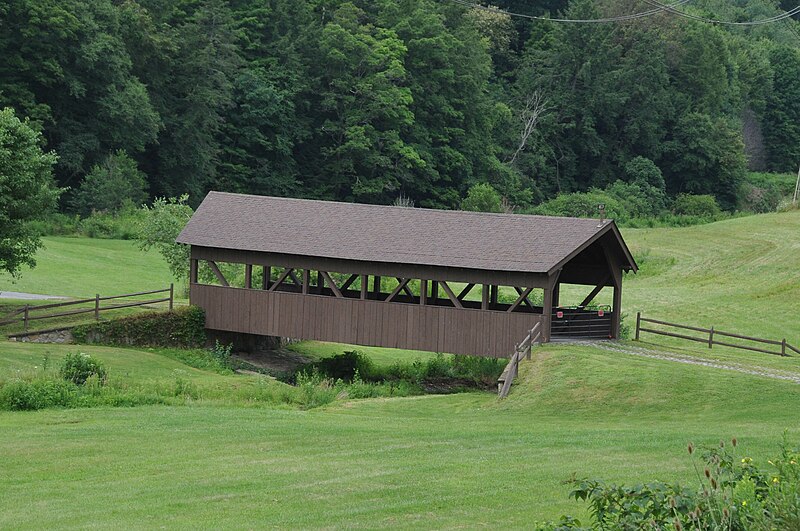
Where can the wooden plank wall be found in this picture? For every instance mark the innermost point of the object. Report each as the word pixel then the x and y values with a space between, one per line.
pixel 363 322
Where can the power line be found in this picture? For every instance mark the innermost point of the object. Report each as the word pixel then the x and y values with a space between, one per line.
pixel 620 18
pixel 658 8
pixel 671 9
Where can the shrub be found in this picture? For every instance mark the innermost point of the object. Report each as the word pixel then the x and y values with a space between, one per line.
pixel 77 368
pixel 705 206
pixel 40 393
pixel 482 197
pixel 182 327
pixel 222 353
pixel 734 493
pixel 121 225
pixel 345 366
pixel 108 186
pixel 582 205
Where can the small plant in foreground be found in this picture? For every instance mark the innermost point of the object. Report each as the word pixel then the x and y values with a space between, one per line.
pixel 77 368
pixel 222 353
pixel 733 493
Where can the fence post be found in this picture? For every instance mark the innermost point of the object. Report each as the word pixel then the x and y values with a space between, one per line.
pixel 25 317
pixel 97 307
pixel 638 324
pixel 171 294
pixel 783 347
pixel 711 337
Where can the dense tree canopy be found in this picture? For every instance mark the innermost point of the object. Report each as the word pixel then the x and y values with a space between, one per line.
pixel 368 101
pixel 26 191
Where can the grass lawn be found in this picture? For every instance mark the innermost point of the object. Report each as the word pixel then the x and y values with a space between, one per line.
pixel 82 267
pixel 432 461
pixel 380 356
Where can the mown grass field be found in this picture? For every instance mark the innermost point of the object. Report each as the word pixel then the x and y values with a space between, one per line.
pixel 462 460
pixel 431 461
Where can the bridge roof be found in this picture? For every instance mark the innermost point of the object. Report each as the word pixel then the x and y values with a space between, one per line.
pixel 388 234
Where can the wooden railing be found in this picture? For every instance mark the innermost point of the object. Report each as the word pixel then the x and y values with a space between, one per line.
pixel 711 336
pixel 522 350
pixel 29 313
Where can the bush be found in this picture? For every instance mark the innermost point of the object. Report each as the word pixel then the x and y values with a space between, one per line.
pixel 121 225
pixel 77 368
pixel 346 365
pixel 704 206
pixel 110 185
pixel 182 327
pixel 40 393
pixel 482 197
pixel 582 205
pixel 734 493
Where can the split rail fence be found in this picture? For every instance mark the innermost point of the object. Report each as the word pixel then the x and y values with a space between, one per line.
pixel 30 313
pixel 711 337
pixel 523 350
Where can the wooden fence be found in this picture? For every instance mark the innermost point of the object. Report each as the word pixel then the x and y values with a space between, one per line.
pixel 522 350
pixel 30 313
pixel 711 337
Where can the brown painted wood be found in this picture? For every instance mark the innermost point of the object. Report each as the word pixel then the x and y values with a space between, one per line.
pixel 280 280
pixel 364 286
pixel 594 292
pixel 402 283
pixel 192 270
pixel 266 275
pixel 525 298
pixel 451 295
pixel 464 292
pixel 363 322
pixel 332 284
pixel 248 276
pixel 522 296
pixel 218 273
pixel 485 297
pixel 306 281
pixel 423 292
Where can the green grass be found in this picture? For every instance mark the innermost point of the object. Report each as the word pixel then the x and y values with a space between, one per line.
pixel 382 357
pixel 82 267
pixel 462 460
pixel 432 461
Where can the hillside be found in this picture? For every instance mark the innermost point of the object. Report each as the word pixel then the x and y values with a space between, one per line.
pixel 237 458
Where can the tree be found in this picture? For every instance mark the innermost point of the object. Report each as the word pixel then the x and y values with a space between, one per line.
pixel 482 198
pixel 163 221
pixel 111 185
pixel 27 191
pixel 782 117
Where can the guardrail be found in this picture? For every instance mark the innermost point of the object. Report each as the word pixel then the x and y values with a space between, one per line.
pixel 28 313
pixel 711 339
pixel 523 350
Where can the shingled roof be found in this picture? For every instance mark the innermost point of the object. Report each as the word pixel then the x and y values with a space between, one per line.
pixel 351 231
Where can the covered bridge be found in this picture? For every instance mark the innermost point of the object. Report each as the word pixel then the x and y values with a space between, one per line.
pixel 411 278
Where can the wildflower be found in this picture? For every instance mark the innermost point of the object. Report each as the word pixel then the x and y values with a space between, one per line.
pixel 792 462
pixel 775 480
pixel 746 460
pixel 733 442
pixel 744 503
pixel 690 448
pixel 713 483
pixel 722 444
pixel 725 512
pixel 678 525
pixel 707 472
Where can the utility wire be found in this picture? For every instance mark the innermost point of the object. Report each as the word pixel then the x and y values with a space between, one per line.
pixel 620 18
pixel 671 9
pixel 658 8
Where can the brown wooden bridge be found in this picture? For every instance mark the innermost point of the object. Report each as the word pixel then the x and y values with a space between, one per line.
pixel 442 281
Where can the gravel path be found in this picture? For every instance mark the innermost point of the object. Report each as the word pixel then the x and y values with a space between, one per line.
pixel 27 296
pixel 768 372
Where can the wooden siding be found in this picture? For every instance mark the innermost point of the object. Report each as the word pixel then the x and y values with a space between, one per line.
pixel 363 322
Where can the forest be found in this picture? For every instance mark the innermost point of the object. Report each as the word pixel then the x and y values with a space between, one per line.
pixel 409 101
